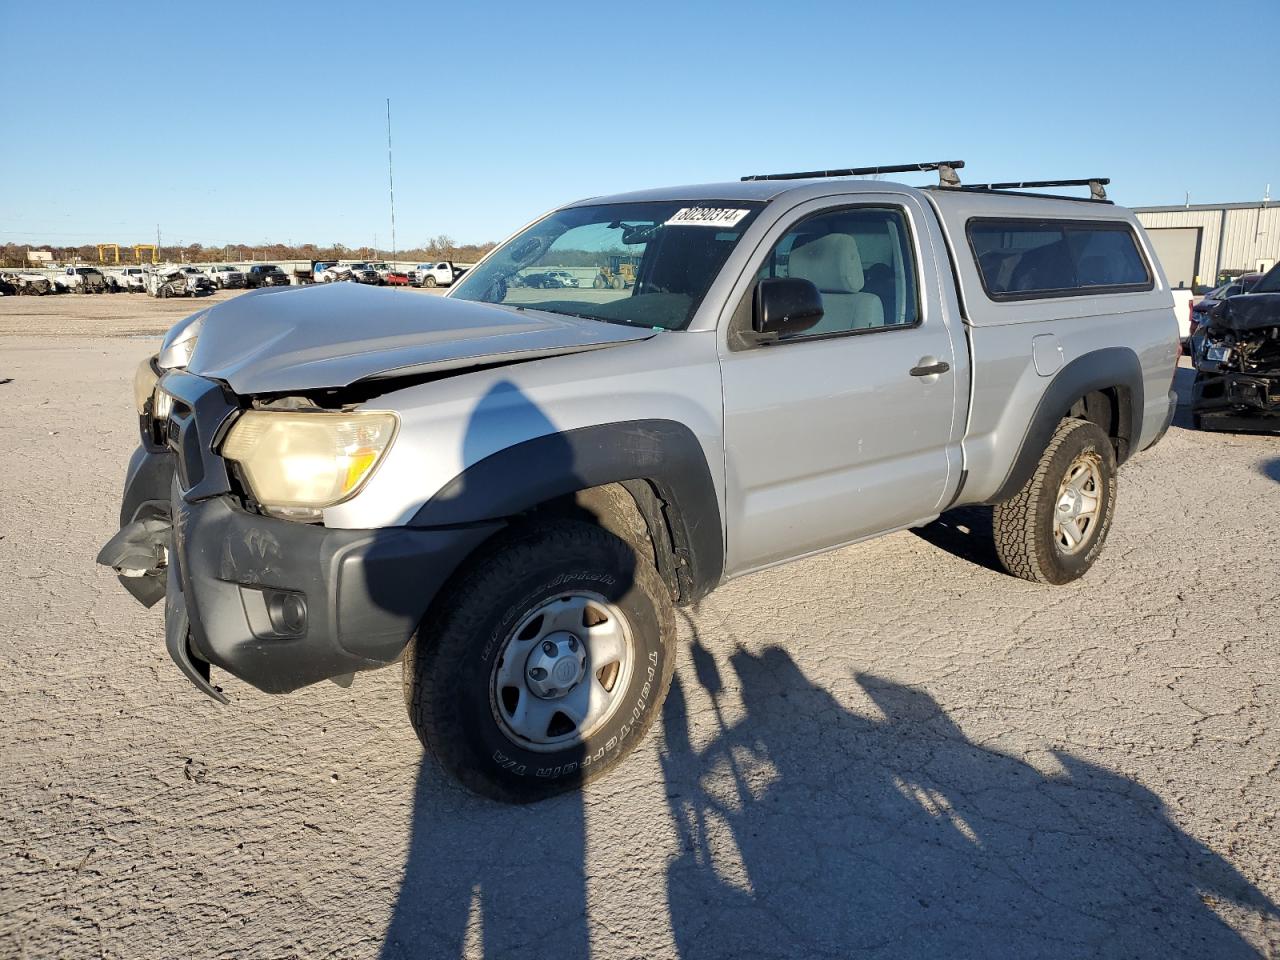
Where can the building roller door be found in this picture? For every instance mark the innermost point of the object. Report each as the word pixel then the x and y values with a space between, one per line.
pixel 1178 249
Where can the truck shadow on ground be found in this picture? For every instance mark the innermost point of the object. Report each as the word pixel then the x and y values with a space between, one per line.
pixel 965 533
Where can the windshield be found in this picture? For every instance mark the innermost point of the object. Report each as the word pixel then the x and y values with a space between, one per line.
pixel 1270 283
pixel 648 264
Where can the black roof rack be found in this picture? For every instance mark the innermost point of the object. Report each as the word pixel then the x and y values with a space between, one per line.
pixel 1096 185
pixel 946 172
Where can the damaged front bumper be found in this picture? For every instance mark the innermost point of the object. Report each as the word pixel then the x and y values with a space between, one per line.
pixel 276 603
pixel 1227 400
pixel 1237 358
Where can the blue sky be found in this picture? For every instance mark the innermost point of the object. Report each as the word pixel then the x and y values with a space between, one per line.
pixel 245 123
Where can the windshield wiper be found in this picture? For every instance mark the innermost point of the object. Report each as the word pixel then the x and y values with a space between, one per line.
pixel 566 313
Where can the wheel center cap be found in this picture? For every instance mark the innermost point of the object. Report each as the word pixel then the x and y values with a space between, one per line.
pixel 555 665
pixel 1069 504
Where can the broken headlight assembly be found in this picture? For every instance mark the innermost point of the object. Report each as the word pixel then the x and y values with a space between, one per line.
pixel 146 397
pixel 145 379
pixel 1217 352
pixel 296 463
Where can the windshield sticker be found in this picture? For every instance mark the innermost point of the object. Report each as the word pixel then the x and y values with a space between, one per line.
pixel 706 217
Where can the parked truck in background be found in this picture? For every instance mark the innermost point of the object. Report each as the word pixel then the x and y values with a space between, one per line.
pixel 508 489
pixel 81 280
pixel 442 273
pixel 1183 308
pixel 224 277
pixel 126 279
pixel 265 275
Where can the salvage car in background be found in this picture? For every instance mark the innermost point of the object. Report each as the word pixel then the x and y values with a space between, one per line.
pixel 1200 310
pixel 329 271
pixel 225 278
pixel 363 273
pixel 164 282
pixel 28 284
pixel 198 281
pixel 1237 358
pixel 396 278
pixel 81 280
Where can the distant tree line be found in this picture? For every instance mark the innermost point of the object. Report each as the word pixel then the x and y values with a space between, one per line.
pixel 442 247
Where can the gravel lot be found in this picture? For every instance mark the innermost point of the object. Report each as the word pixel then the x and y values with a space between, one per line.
pixel 892 750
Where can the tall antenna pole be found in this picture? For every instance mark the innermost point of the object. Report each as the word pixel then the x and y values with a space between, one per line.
pixel 391 183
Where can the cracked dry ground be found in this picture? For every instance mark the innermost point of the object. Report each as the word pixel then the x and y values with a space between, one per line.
pixel 892 750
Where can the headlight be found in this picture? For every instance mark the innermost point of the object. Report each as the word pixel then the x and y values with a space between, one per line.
pixel 298 462
pixel 144 385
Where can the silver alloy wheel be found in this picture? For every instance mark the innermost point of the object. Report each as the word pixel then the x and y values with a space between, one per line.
pixel 1077 510
pixel 562 672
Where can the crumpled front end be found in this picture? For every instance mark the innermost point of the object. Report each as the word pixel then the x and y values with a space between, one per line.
pixel 1237 359
pixel 277 603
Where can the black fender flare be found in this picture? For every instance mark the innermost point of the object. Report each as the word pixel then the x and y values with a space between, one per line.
pixel 664 453
pixel 1096 370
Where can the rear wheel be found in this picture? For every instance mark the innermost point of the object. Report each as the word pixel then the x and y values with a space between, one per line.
pixel 548 662
pixel 1053 529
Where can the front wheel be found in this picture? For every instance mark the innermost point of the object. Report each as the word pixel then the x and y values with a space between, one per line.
pixel 1052 530
pixel 429 282
pixel 547 663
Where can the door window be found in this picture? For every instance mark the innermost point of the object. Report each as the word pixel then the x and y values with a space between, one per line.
pixel 861 261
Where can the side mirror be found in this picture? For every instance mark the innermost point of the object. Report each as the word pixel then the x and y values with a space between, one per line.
pixel 784 306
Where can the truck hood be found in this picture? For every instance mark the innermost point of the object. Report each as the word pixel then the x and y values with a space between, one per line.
pixel 334 335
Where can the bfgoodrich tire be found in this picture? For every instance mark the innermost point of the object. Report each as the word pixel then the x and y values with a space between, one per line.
pixel 546 663
pixel 1053 529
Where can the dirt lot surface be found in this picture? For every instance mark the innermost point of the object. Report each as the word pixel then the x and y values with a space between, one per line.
pixel 892 750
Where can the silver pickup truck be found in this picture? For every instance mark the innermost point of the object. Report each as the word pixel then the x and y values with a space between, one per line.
pixel 509 488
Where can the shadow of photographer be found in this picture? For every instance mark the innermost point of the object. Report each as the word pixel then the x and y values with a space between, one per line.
pixel 809 830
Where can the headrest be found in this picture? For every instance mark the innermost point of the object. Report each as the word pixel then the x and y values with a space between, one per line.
pixel 831 263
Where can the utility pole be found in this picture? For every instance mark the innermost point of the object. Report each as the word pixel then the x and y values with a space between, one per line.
pixel 391 183
pixel 157 240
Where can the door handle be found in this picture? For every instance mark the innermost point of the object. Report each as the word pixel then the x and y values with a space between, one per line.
pixel 929 369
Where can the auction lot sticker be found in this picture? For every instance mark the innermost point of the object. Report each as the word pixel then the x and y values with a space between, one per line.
pixel 706 217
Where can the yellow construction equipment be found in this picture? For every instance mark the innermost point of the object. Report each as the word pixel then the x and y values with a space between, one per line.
pixel 620 273
pixel 113 247
pixel 139 247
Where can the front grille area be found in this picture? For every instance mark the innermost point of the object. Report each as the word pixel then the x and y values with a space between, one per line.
pixel 200 409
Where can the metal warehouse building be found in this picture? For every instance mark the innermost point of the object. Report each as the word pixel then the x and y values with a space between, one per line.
pixel 1198 242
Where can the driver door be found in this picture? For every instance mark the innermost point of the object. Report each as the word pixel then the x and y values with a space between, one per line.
pixel 834 434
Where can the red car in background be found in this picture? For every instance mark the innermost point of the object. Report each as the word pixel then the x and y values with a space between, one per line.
pixel 396 279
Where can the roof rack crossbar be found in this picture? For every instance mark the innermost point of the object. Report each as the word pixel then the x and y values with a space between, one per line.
pixel 1096 185
pixel 947 176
